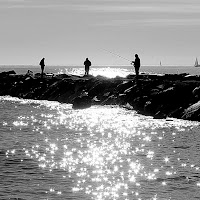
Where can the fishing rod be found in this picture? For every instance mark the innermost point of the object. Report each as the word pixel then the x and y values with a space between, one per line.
pixel 117 55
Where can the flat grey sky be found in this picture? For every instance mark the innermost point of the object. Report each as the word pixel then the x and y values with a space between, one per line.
pixel 65 32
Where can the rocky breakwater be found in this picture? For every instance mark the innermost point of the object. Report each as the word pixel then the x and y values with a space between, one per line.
pixel 161 96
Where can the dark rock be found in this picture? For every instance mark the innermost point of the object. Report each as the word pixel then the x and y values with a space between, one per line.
pixel 111 100
pixel 196 92
pixel 61 76
pixel 178 94
pixel 82 102
pixel 160 115
pixel 177 113
pixel 58 88
pixel 128 106
pixel 37 75
pixel 138 103
pixel 3 74
pixel 192 112
pixel 130 76
pixel 166 95
pixel 175 77
pixel 99 88
pixel 191 77
pixel 123 86
pixel 158 96
pixel 154 92
pixel 150 108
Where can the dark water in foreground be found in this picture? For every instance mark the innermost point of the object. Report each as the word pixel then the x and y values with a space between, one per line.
pixel 49 151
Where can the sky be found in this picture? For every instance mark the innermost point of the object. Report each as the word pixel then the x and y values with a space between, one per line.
pixel 65 32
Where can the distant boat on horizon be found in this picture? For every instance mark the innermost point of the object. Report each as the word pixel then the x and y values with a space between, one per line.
pixel 160 63
pixel 196 64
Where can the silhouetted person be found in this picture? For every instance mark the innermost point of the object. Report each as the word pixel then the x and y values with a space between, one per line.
pixel 136 65
pixel 87 64
pixel 42 66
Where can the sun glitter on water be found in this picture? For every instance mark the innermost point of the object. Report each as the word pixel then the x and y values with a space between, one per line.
pixel 109 72
pixel 108 152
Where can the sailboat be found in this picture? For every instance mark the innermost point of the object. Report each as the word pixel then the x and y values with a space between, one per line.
pixel 196 64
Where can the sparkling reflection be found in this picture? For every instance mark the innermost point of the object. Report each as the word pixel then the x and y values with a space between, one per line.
pixel 110 72
pixel 110 153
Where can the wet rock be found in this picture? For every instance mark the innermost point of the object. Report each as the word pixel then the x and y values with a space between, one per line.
pixel 154 92
pixel 160 115
pixel 123 86
pixel 111 100
pixel 150 108
pixel 96 100
pixel 128 106
pixel 192 112
pixel 196 92
pixel 161 87
pixel 191 77
pixel 82 102
pixel 177 113
pixel 99 88
pixel 166 95
pixel 139 103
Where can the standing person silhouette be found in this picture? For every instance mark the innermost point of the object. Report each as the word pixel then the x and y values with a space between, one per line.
pixel 87 64
pixel 42 67
pixel 136 64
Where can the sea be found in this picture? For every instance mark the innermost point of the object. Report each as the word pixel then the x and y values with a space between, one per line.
pixel 49 151
pixel 107 71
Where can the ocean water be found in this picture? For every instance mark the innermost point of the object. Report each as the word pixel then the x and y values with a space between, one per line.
pixel 49 151
pixel 110 71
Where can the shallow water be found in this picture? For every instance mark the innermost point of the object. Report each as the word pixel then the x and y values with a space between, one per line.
pixel 50 151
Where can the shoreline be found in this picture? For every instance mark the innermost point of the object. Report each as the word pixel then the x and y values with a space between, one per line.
pixel 160 96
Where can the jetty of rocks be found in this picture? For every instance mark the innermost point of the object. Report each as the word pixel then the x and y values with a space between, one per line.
pixel 160 96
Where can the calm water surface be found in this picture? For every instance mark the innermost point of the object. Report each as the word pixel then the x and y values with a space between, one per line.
pixel 50 151
pixel 109 72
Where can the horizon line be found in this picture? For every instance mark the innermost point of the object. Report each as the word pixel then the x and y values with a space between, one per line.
pixel 26 65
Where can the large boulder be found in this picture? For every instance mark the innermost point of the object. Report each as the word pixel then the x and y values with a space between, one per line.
pixel 179 94
pixel 192 112
pixel 191 77
pixel 82 102
pixel 165 95
pixel 110 100
pixel 196 92
pixel 123 86
pixel 58 88
pixel 150 108
pixel 139 102
pixel 99 87
pixel 176 113
pixel 12 72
